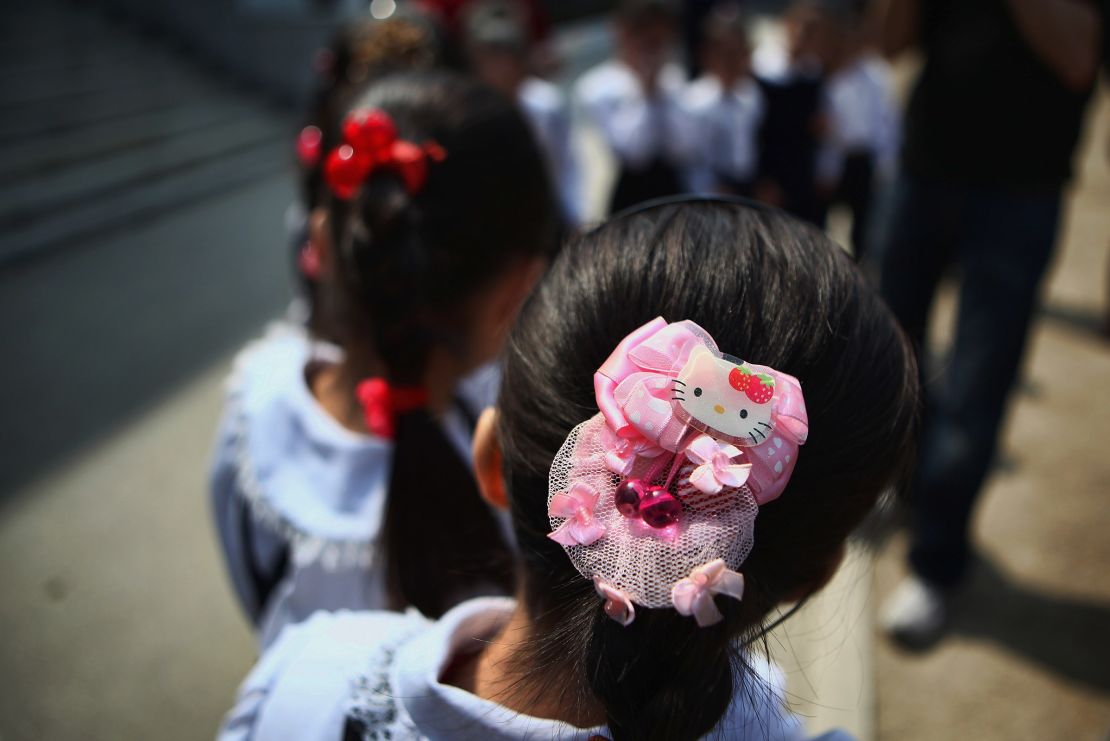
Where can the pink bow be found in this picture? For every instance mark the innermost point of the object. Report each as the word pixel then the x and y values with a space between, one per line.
pixel 634 385
pixel 716 469
pixel 577 505
pixel 622 449
pixel 617 605
pixel 694 594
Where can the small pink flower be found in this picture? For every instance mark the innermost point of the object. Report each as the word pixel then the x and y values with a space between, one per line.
pixel 622 448
pixel 716 469
pixel 694 594
pixel 617 604
pixel 577 506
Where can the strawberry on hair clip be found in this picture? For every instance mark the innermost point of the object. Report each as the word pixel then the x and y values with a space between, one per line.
pixel 371 142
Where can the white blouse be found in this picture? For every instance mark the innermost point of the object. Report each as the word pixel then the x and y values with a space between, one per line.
pixel 863 117
pixel 297 498
pixel 638 129
pixel 378 674
pixel 727 124
pixel 546 110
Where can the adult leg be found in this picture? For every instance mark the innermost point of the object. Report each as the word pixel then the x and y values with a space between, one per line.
pixel 1003 252
pixel 913 247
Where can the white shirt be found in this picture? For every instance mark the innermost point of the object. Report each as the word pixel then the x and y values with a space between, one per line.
pixel 862 115
pixel 546 109
pixel 636 128
pixel 727 124
pixel 286 478
pixel 384 670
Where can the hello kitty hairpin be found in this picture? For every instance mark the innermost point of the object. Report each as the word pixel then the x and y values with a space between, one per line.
pixel 655 498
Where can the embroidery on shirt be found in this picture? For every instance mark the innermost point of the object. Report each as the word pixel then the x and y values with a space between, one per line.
pixel 372 714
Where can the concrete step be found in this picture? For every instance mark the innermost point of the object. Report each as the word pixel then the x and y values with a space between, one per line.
pixel 58 115
pixel 25 199
pixel 86 81
pixel 80 28
pixel 96 140
pixel 143 199
pixel 60 65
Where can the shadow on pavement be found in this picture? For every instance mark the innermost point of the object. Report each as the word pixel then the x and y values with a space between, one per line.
pixel 1063 634
pixel 1084 321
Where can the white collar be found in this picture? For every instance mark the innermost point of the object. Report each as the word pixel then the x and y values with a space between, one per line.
pixel 439 709
pixel 286 445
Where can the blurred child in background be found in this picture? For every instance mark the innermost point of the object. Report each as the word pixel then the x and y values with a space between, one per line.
pixel 497 47
pixel 726 106
pixel 861 146
pixel 635 101
pixel 792 78
pixel 437 219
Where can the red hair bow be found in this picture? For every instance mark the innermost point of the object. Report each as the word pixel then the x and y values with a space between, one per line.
pixel 370 141
pixel 381 403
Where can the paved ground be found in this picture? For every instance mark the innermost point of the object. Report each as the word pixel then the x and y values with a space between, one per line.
pixel 116 616
pixel 142 241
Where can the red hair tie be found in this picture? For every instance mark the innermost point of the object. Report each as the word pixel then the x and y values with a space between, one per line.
pixel 370 142
pixel 382 402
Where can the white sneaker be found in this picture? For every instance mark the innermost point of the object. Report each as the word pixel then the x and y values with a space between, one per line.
pixel 916 612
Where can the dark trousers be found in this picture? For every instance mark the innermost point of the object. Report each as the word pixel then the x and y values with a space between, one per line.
pixel 1000 241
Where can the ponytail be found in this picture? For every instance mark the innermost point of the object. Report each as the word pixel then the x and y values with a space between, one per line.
pixel 409 260
pixel 440 541
pixel 662 677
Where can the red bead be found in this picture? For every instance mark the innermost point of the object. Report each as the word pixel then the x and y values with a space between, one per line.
pixel 628 496
pixel 344 171
pixel 370 131
pixel 308 146
pixel 659 508
pixel 410 162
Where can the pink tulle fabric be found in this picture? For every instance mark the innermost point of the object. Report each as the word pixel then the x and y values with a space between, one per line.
pixel 643 432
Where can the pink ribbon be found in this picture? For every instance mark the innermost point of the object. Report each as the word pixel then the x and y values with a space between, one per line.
pixel 616 368
pixel 635 385
pixel 577 506
pixel 773 460
pixel 694 594
pixel 716 469
pixel 617 605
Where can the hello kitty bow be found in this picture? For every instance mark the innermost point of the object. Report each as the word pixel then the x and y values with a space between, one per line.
pixel 637 387
pixel 370 143
pixel 655 498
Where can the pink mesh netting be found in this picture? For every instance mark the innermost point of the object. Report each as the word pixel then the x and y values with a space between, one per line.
pixel 643 562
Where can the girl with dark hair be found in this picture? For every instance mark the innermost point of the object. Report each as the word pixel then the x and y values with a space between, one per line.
pixel 335 469
pixel 665 497
pixel 363 49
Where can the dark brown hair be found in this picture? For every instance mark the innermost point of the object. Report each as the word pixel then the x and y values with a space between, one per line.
pixel 768 289
pixel 407 266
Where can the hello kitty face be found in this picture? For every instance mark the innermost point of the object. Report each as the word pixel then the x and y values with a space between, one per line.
pixel 725 396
